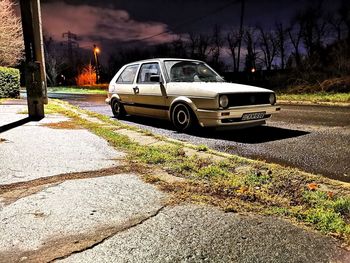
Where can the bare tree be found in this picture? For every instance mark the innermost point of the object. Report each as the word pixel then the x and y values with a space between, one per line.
pixel 268 46
pixel 199 46
pixel 54 62
pixel 241 31
pixel 178 48
pixel 11 40
pixel 295 33
pixel 52 69
pixel 251 56
pixel 313 29
pixel 233 39
pixel 192 44
pixel 340 58
pixel 337 23
pixel 203 47
pixel 281 35
pixel 216 45
pixel 344 12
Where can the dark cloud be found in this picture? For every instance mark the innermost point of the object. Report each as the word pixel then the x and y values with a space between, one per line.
pixel 99 22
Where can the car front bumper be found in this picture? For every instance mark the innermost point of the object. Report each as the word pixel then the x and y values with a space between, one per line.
pixel 232 117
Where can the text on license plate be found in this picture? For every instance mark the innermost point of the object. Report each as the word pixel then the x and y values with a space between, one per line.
pixel 253 116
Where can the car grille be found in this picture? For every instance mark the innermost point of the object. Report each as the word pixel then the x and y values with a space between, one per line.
pixel 242 99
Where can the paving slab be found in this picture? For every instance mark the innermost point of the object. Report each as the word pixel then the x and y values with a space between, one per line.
pixel 33 151
pixel 138 137
pixel 8 113
pixel 73 208
pixel 194 233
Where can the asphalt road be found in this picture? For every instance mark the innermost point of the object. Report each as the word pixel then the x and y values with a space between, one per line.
pixel 313 138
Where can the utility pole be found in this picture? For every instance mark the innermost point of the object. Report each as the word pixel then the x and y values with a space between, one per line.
pixel 240 34
pixel 97 64
pixel 35 75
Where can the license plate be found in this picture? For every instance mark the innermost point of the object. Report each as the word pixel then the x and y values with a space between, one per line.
pixel 253 116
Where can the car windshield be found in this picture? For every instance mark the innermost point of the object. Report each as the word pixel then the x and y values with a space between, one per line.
pixel 190 71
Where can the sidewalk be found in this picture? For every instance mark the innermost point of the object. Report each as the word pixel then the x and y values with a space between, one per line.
pixel 66 195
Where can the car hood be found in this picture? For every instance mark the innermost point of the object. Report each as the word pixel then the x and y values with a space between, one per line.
pixel 210 89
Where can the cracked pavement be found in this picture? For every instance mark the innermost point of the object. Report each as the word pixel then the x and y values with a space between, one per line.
pixel 73 200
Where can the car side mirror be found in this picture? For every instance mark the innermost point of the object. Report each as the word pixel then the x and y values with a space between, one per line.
pixel 155 78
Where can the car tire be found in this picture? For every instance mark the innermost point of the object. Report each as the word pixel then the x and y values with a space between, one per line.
pixel 118 109
pixel 182 117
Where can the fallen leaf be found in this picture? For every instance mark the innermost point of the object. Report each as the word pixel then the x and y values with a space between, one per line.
pixel 312 186
pixel 242 189
pixel 330 194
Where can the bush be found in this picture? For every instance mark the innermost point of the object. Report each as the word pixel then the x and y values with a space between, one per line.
pixel 9 82
pixel 336 84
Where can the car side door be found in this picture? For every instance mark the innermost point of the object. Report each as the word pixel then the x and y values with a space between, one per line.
pixel 149 97
pixel 124 86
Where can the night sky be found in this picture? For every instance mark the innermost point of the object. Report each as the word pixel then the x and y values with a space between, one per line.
pixel 122 23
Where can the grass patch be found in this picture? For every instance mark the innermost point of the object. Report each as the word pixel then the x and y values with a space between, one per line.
pixel 50 108
pixel 257 179
pixel 328 213
pixel 237 184
pixel 77 90
pixel 156 155
pixel 317 97
pixel 327 221
pixel 202 148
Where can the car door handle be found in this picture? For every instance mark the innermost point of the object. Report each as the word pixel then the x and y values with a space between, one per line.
pixel 136 90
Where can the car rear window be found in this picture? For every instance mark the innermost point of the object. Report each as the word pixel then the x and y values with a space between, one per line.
pixel 128 74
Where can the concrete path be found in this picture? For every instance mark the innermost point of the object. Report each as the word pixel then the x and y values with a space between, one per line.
pixel 66 195
pixel 32 151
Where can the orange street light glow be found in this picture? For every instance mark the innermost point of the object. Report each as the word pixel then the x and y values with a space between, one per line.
pixel 97 50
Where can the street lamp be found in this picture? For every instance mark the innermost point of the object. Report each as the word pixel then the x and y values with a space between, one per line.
pixel 97 64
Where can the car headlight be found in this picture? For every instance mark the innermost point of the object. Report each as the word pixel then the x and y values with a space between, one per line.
pixel 272 98
pixel 223 101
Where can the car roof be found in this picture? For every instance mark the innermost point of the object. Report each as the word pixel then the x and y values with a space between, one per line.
pixel 162 60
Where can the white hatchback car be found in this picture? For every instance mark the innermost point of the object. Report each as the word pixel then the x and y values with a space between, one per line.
pixel 187 92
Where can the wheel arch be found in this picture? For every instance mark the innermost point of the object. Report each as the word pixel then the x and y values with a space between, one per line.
pixel 113 97
pixel 184 100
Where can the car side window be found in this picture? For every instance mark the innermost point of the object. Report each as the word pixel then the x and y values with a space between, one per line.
pixel 128 75
pixel 147 70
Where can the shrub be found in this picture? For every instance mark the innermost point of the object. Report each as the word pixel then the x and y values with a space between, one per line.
pixel 9 82
pixel 87 76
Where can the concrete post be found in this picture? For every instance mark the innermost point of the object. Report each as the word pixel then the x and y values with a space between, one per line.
pixel 35 75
